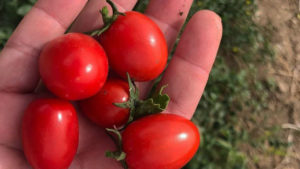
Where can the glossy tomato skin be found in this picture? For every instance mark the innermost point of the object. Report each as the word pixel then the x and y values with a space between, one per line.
pixel 73 66
pixel 100 108
pixel 160 141
pixel 50 134
pixel 135 44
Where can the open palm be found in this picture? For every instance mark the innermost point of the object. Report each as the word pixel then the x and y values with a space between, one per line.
pixel 186 74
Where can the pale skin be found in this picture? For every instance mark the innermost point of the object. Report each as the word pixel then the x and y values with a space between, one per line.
pixel 186 74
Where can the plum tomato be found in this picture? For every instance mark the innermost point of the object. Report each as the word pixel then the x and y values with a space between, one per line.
pixel 100 108
pixel 135 44
pixel 162 141
pixel 50 134
pixel 73 66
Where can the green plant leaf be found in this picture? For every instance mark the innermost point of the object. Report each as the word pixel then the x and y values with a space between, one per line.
pixel 23 10
pixel 161 99
pixel 155 104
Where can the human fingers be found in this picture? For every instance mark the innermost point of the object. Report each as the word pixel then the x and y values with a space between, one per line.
pixel 190 66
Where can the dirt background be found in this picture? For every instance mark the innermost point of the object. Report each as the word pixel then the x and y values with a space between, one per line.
pixel 281 18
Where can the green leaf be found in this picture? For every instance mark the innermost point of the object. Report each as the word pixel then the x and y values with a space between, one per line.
pixel 23 10
pixel 156 104
pixel 133 99
pixel 3 35
pixel 32 1
pixel 138 108
pixel 146 107
pixel 133 91
pixel 122 105
pixel 224 144
pixel 161 99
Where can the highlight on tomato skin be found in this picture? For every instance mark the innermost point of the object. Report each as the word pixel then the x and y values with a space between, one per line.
pixel 50 133
pixel 160 141
pixel 101 109
pixel 135 44
pixel 73 66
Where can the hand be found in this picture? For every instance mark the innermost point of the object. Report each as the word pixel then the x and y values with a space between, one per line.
pixel 186 74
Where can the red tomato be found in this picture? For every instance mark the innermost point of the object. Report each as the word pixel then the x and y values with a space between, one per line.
pixel 100 108
pixel 73 66
pixel 50 134
pixel 160 141
pixel 135 44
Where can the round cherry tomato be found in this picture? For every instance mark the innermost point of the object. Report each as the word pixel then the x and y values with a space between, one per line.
pixel 135 44
pixel 73 66
pixel 100 108
pixel 162 141
pixel 50 134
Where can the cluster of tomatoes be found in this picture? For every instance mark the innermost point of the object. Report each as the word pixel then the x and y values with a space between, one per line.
pixel 75 67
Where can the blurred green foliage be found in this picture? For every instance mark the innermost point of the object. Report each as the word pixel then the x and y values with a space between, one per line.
pixel 233 89
pixel 11 13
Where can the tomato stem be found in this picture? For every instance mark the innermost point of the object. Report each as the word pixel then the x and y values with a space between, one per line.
pixel 107 20
pixel 118 155
pixel 115 9
pixel 118 134
pixel 139 108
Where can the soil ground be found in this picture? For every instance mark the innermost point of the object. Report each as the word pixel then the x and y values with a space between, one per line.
pixel 281 18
